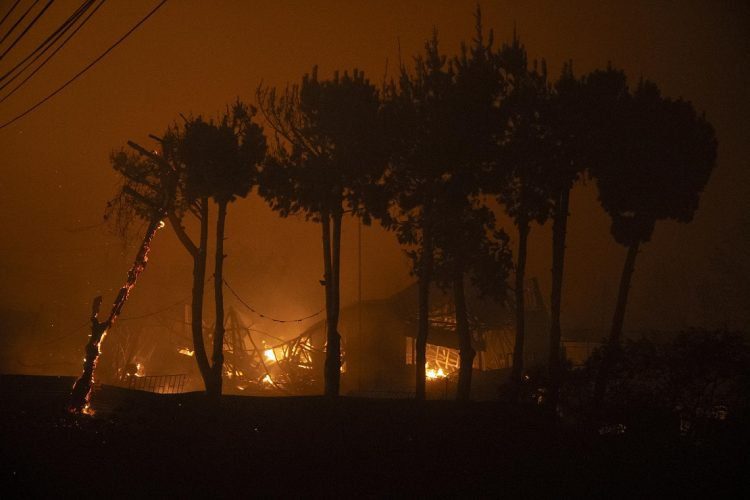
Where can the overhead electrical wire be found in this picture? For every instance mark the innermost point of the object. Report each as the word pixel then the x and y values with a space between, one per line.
pixel 170 306
pixel 265 316
pixel 20 19
pixel 88 67
pixel 49 41
pixel 30 75
pixel 154 313
pixel 65 336
pixel 9 12
pixel 26 30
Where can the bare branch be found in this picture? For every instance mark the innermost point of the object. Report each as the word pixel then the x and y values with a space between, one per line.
pixel 182 235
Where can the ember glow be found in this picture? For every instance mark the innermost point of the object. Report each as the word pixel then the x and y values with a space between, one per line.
pixel 434 374
pixel 270 355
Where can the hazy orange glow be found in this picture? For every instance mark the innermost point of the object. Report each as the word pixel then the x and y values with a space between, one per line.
pixel 57 177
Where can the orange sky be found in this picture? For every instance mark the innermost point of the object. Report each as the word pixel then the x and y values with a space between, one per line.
pixel 196 56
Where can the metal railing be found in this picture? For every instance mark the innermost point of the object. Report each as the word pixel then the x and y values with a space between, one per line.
pixel 160 384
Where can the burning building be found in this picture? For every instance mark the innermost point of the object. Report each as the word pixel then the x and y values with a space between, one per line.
pixel 379 344
pixel 378 348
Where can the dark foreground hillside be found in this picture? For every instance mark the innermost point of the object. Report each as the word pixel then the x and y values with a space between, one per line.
pixel 141 443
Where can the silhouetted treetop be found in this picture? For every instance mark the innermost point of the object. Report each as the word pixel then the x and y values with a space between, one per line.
pixel 149 188
pixel 219 158
pixel 659 164
pixel 519 176
pixel 329 147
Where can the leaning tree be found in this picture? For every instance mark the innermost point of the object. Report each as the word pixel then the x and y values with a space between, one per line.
pixel 147 193
pixel 658 159
pixel 205 160
pixel 328 160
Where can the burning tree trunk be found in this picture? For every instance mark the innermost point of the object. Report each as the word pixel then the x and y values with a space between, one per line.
pixel 559 229
pixel 425 278
pixel 467 352
pixel 615 335
pixel 81 394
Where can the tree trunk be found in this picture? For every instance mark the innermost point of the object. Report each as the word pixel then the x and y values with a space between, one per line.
pixel 331 249
pixel 615 334
pixel 517 371
pixel 199 283
pixel 559 229
pixel 466 351
pixel 334 338
pixel 217 356
pixel 425 278
pixel 81 393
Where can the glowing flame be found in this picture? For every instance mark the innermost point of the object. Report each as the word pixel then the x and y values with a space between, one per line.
pixel 433 374
pixel 267 379
pixel 186 351
pixel 270 356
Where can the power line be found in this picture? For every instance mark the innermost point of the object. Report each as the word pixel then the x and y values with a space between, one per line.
pixel 154 313
pixel 49 41
pixel 267 335
pixel 48 57
pixel 9 12
pixel 84 228
pixel 84 70
pixel 265 315
pixel 67 335
pixel 26 30
pixel 15 25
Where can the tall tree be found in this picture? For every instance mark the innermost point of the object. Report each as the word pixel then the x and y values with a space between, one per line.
pixel 656 159
pixel 441 118
pixel 468 246
pixel 189 200
pixel 468 242
pixel 438 119
pixel 207 160
pixel 416 120
pixel 221 160
pixel 148 192
pixel 328 160
pixel 518 175
pixel 567 132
